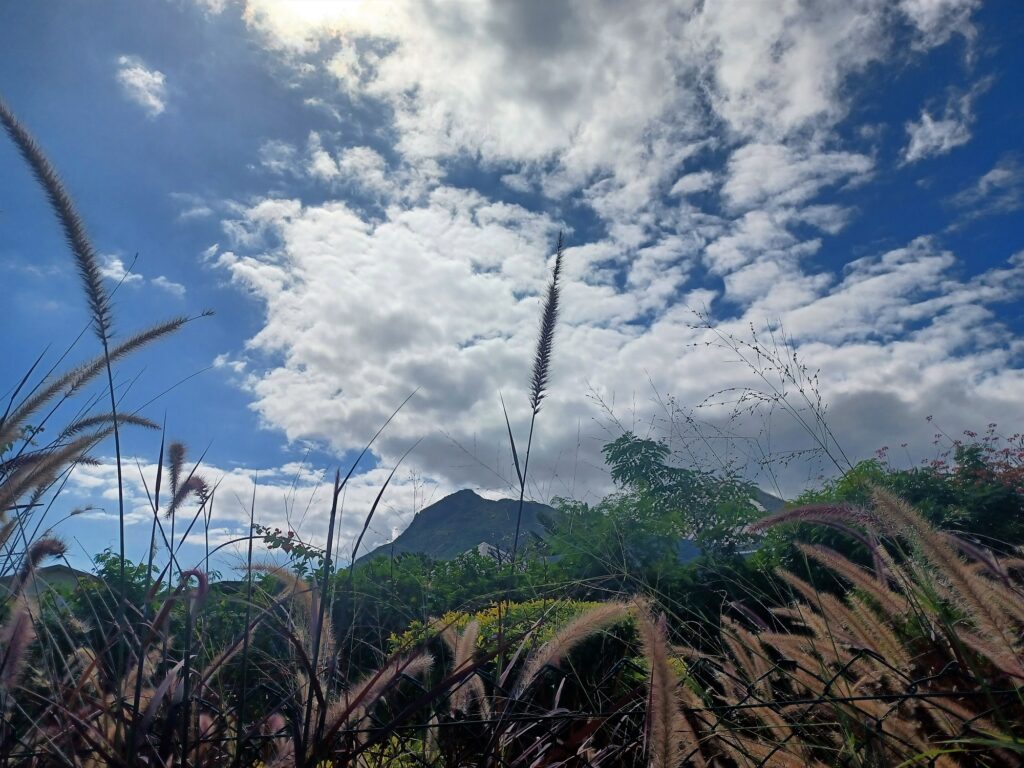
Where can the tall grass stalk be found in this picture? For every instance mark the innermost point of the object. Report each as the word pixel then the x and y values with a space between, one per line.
pixel 89 270
pixel 538 389
pixel 319 619
pixel 538 382
pixel 243 694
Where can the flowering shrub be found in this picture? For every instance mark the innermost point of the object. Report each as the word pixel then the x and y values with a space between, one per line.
pixel 974 485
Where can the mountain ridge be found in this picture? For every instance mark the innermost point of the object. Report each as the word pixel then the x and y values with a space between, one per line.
pixel 463 520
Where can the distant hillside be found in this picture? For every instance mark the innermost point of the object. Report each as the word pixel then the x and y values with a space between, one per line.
pixel 463 520
pixel 770 503
pixel 52 575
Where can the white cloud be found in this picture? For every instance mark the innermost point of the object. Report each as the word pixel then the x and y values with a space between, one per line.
pixel 146 87
pixel 173 288
pixel 582 97
pixel 774 174
pixel 290 497
pixel 439 287
pixel 320 165
pixel 504 79
pixel 224 360
pixel 367 169
pixel 192 206
pixel 213 7
pixel 930 136
pixel 520 182
pixel 777 67
pixel 693 182
pixel 998 190
pixel 444 296
pixel 359 168
pixel 384 310
pixel 278 157
pixel 315 102
pixel 758 234
pixel 938 20
pixel 588 85
pixel 113 268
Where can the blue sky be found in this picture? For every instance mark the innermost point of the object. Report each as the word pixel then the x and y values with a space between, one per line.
pixel 367 195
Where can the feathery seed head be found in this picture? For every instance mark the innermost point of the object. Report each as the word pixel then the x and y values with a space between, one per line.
pixel 74 229
pixel 817 513
pixel 16 636
pixel 546 337
pixel 37 552
pixel 572 634
pixel 175 462
pixel 665 720
pixel 203 587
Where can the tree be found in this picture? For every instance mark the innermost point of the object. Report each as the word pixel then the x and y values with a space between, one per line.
pixel 706 507
pixel 661 517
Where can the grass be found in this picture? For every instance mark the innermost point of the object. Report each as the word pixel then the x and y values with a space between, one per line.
pixel 905 648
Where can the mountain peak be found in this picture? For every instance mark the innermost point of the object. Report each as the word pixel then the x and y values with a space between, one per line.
pixel 460 521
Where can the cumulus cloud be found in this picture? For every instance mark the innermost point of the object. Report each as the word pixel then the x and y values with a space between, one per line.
pixel 384 309
pixel 366 168
pixel 445 297
pixel 582 97
pixel 773 174
pixel 321 165
pixel 213 7
pixel 292 497
pixel 777 68
pixel 166 284
pixel 929 137
pixel 703 139
pixel 142 85
pixel 535 81
pixel 355 169
pixel 113 268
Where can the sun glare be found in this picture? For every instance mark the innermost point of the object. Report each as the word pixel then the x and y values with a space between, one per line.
pixel 303 17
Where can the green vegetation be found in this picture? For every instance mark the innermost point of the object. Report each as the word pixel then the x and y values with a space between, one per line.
pixel 974 486
pixel 874 622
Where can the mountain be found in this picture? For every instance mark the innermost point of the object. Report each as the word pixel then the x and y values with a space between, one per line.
pixel 770 503
pixel 462 521
pixel 49 575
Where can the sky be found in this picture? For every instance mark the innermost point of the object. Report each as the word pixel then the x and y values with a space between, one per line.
pixel 368 194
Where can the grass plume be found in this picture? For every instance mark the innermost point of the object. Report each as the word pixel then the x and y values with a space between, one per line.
pixel 568 637
pixel 666 724
pixel 86 260
pixel 546 336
